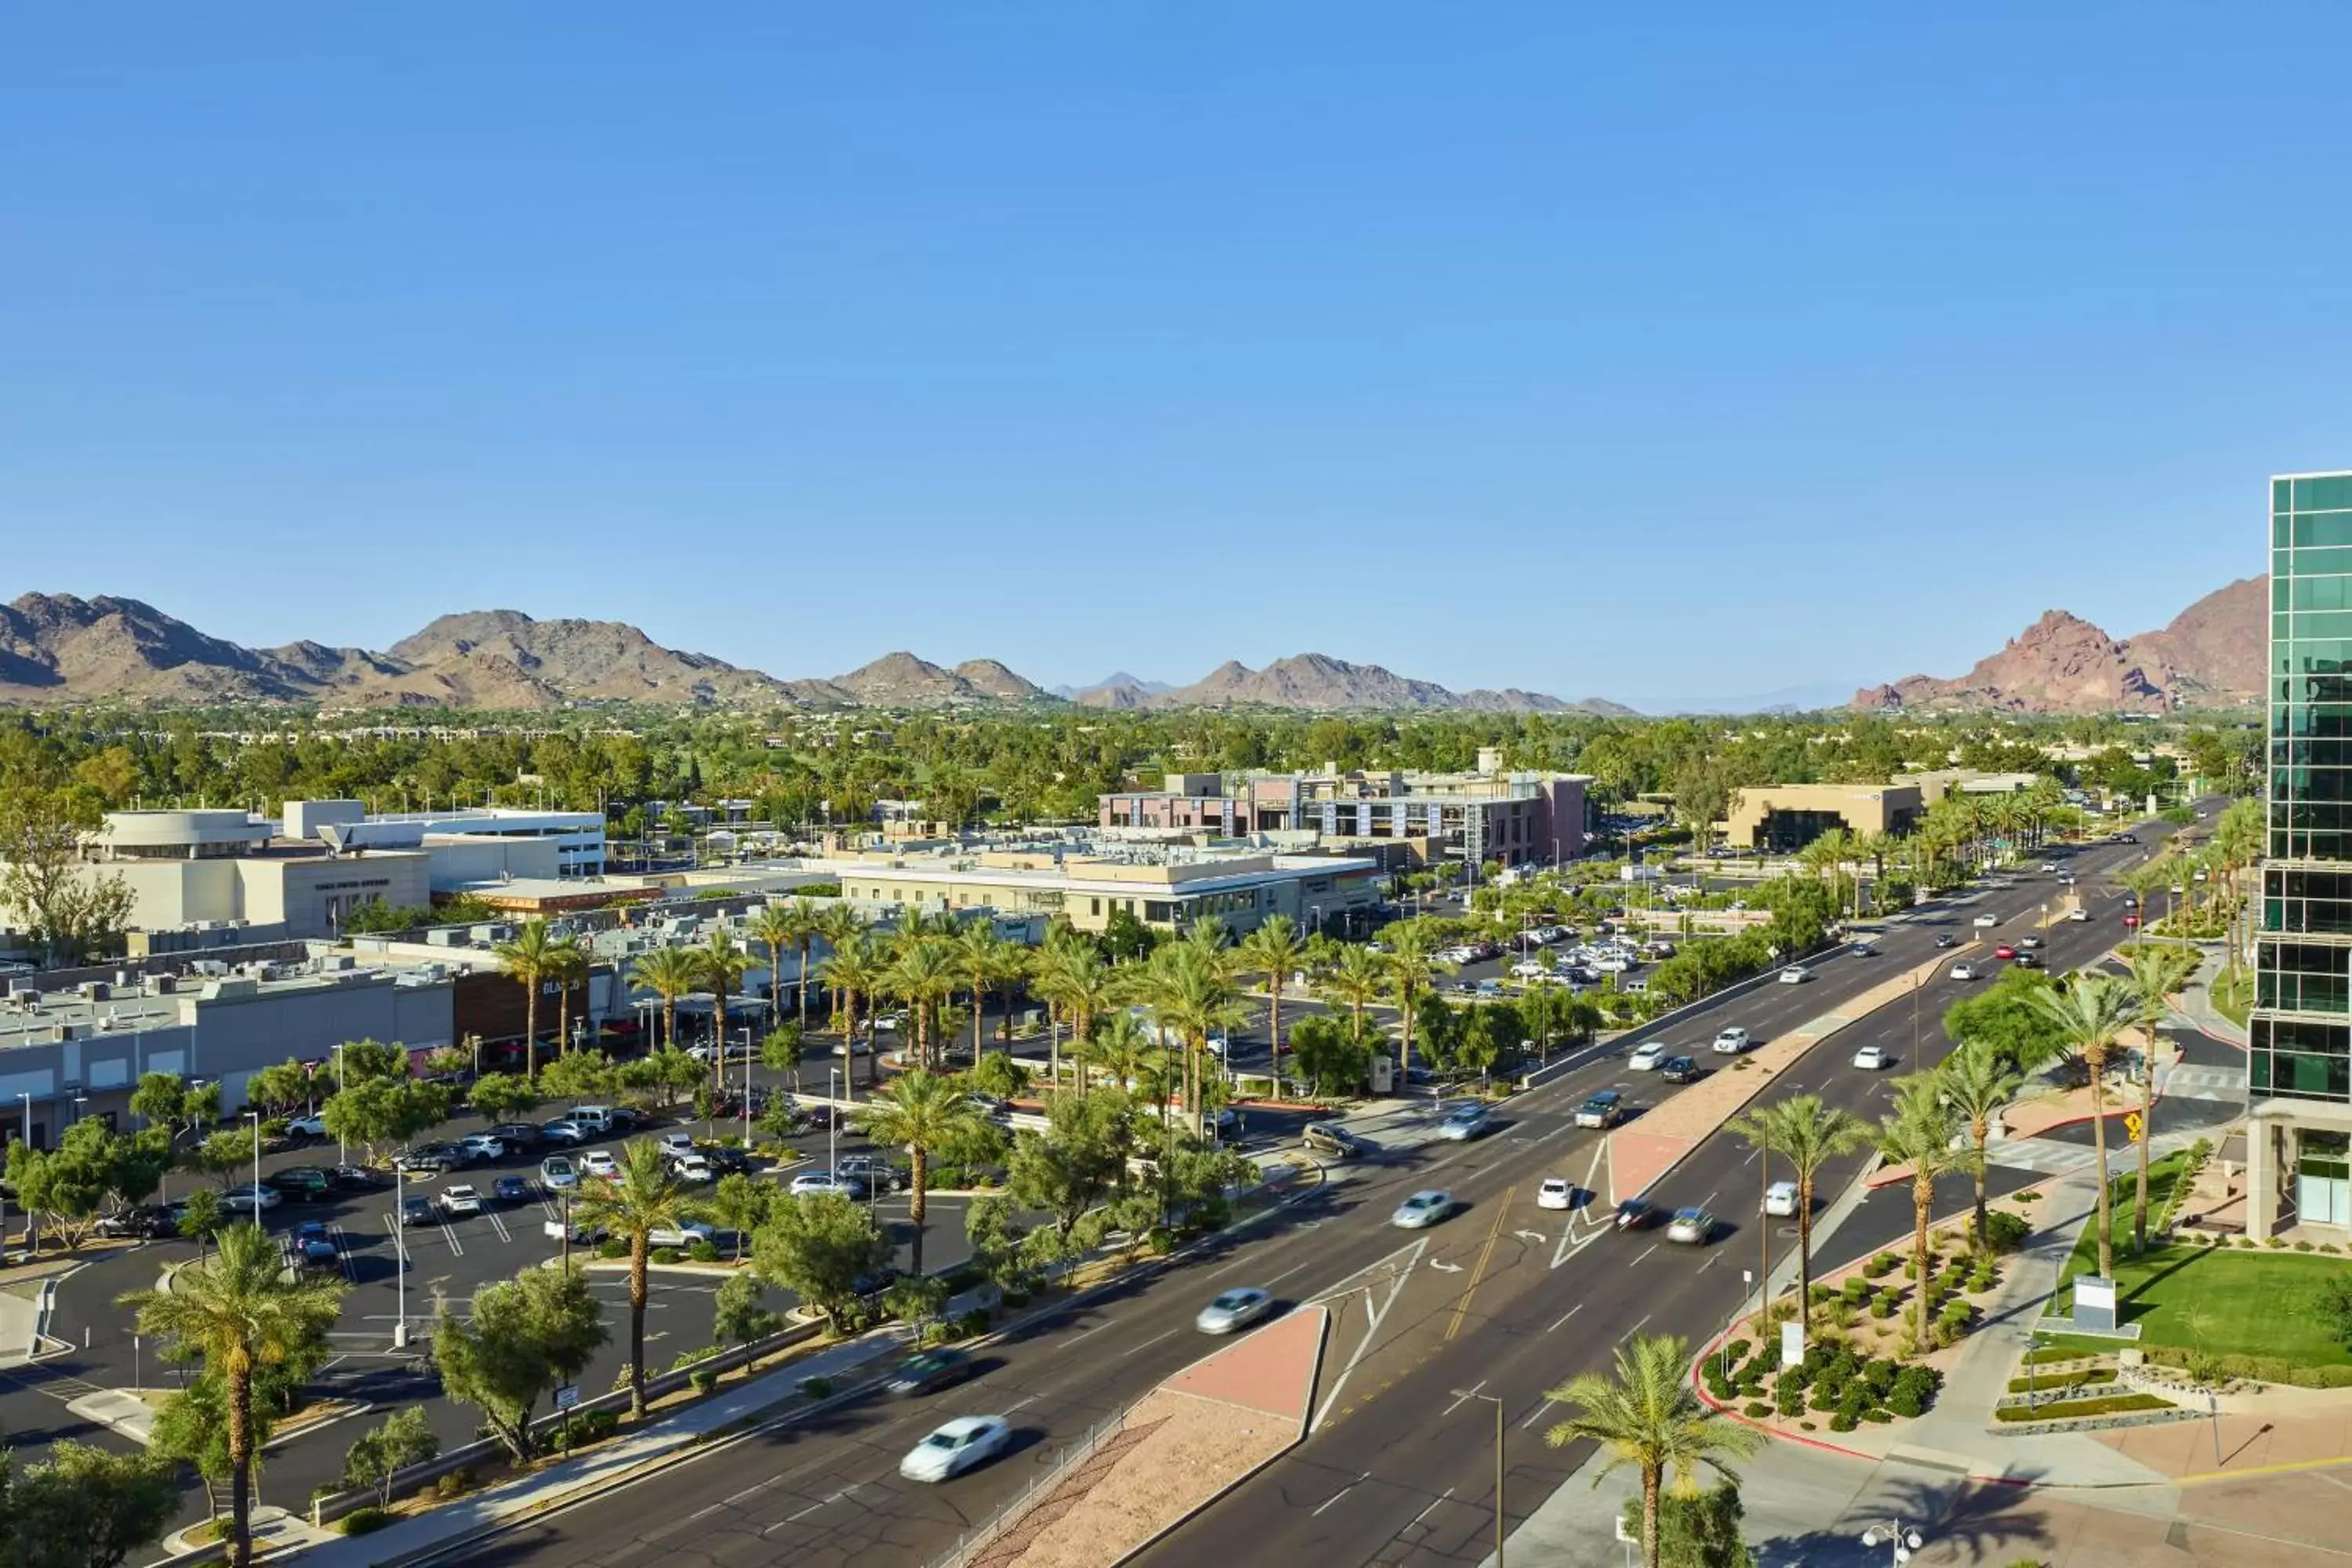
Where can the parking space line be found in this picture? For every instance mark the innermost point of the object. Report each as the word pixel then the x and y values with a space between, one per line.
pixel 497 1225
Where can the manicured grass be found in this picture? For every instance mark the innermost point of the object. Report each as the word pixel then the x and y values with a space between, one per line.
pixel 2234 999
pixel 2253 1303
pixel 2112 1406
pixel 2162 1175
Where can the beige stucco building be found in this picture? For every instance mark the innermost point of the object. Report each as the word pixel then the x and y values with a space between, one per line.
pixel 1169 890
pixel 1783 817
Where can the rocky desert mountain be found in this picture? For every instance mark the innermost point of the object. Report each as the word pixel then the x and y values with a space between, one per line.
pixel 1320 682
pixel 2211 655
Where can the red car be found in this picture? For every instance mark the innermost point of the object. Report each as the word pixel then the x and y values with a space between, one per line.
pixel 2004 951
pixel 2131 919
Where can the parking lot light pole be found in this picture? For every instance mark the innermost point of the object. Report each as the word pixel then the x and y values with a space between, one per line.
pixel 747 1089
pixel 832 1119
pixel 255 1117
pixel 400 1278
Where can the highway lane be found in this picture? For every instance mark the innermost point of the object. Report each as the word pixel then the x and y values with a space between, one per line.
pixel 1400 1470
pixel 1472 1301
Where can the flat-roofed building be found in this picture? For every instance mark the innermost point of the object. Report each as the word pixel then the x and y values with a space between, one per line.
pixel 1782 818
pixel 578 837
pixel 223 869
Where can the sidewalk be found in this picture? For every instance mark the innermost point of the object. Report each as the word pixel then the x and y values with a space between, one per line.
pixel 2194 1005
pixel 447 1528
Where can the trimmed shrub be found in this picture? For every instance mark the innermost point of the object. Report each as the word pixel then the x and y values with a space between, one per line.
pixel 611 1246
pixel 974 1321
pixel 2303 1246
pixel 595 1427
pixel 1842 1422
pixel 1879 1375
pixel 1883 1263
pixel 2006 1232
pixel 667 1255
pixel 457 1483
pixel 1756 1410
pixel 1874 1414
pixel 364 1520
pixel 1882 1305
pixel 1857 1290
pixel 1789 1395
pixel 703 1252
pixel 704 1380
pixel 2111 1405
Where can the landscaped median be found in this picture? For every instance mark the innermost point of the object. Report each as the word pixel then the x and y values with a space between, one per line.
pixel 1641 1152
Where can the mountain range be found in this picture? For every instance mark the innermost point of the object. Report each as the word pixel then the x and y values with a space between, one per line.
pixel 56 648
pixel 2211 655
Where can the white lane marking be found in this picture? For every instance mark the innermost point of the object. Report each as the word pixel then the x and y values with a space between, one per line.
pixel 1082 1333
pixel 1653 1247
pixel 1284 1275
pixel 1634 1330
pixel 1535 1414
pixel 754 1486
pixel 704 1512
pixel 1463 1398
pixel 1710 1263
pixel 1372 1326
pixel 498 1224
pixel 1146 1344
pixel 1343 1491
pixel 1566 1316
pixel 1424 1514
pixel 1017 1404
pixel 1707 1200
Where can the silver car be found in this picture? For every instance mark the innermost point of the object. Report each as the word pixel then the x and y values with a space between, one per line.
pixel 1234 1309
pixel 1424 1208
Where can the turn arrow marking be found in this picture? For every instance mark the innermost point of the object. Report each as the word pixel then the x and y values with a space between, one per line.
pixel 1449 1268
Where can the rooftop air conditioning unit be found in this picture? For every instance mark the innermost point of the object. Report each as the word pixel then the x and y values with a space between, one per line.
pixel 166 985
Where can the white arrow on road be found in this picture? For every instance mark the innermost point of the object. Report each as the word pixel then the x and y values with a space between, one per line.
pixel 1449 1268
pixel 1535 1237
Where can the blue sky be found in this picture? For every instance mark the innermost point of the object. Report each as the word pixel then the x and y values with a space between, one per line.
pixel 1757 347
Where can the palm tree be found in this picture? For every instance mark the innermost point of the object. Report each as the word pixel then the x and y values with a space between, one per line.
pixel 669 973
pixel 1188 992
pixel 922 976
pixel 528 959
pixel 1920 1135
pixel 1808 1134
pixel 2089 1015
pixel 857 971
pixel 722 966
pixel 1648 1416
pixel 839 926
pixel 1357 978
pixel 921 1111
pixel 2141 881
pixel 777 927
pixel 1978 1081
pixel 1275 950
pixel 986 958
pixel 1125 1051
pixel 1410 972
pixel 2156 974
pixel 240 1311
pixel 642 1196
pixel 1073 977
pixel 568 966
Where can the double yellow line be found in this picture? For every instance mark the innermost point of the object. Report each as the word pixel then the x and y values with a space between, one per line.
pixel 1494 1235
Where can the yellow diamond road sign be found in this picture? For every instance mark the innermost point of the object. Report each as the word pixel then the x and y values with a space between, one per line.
pixel 2136 1126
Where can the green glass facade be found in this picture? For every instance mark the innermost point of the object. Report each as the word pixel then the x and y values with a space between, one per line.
pixel 2302 1024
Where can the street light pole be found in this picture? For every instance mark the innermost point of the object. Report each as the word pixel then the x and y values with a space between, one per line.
pixel 255 1117
pixel 1497 1402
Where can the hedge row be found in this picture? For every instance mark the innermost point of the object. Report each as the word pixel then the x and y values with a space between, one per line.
pixel 2107 1405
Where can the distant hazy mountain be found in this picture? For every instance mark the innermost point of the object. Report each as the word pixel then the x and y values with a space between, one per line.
pixel 2211 654
pixel 1318 681
pixel 1117 680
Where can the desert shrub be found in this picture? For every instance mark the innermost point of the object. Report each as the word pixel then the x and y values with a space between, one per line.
pixel 457 1483
pixel 1842 1422
pixel 667 1255
pixel 703 1252
pixel 1856 1290
pixel 2006 1232
pixel 2110 1405
pixel 1788 1394
pixel 1756 1410
pixel 611 1246
pixel 1881 1264
pixel 364 1520
pixel 704 1380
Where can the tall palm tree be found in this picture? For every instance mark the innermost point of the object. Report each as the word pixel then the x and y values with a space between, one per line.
pixel 527 960
pixel 240 1311
pixel 1648 1416
pixel 1187 990
pixel 1124 1049
pixel 986 958
pixel 643 1196
pixel 1920 1133
pixel 1073 977
pixel 2156 974
pixel 2089 1015
pixel 723 965
pixel 1275 950
pixel 669 972
pixel 1356 978
pixel 922 976
pixel 1808 1134
pixel 568 966
pixel 1410 974
pixel 1977 1082
pixel 2142 882
pixel 857 971
pixel 839 926
pixel 776 928
pixel 921 1111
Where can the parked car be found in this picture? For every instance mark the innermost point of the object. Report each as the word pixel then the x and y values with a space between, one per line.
pixel 432 1157
pixel 1422 1209
pixel 1691 1226
pixel 563 1133
pixel 461 1199
pixel 559 1174
pixel 1795 974
pixel 1603 1108
pixel 678 1142
pixel 1331 1140
pixel 812 1182
pixel 307 1127
pixel 600 1163
pixel 513 1190
pixel 682 1237
pixel 142 1222
pixel 1680 1070
pixel 1870 1058
pixel 418 1211
pixel 1234 1309
pixel 250 1199
pixel 520 1136
pixel 728 1160
pixel 1530 969
pixel 355 1178
pixel 1647 1055
pixel 694 1168
pixel 300 1183
pixel 873 1171
pixel 1555 1194
pixel 312 1245
pixel 1731 1042
pixel 1780 1199
pixel 928 1369
pixel 579 1233
pixel 956 1448
pixel 483 1146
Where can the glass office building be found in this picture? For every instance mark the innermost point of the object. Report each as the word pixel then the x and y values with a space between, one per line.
pixel 2299 1064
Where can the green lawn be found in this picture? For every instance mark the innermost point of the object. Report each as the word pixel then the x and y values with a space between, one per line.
pixel 2162 1175
pixel 2232 1001
pixel 2254 1303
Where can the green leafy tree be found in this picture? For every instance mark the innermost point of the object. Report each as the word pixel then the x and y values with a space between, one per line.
pixel 739 1312
pixel 203 1217
pixel 375 1112
pixel 741 1204
pixel 1066 1171
pixel 89 1507
pixel 73 907
pixel 1328 1058
pixel 664 1076
pixel 923 1113
pixel 66 1185
pixel 503 1096
pixel 643 1195
pixel 403 1439
pixel 2006 1018
pixel 996 1073
pixel 360 1061
pixel 1648 1416
pixel 821 1247
pixel 524 1337
pixel 280 1088
pixel 240 1311
pixel 584 1076
pixel 781 1050
pixel 1698 1529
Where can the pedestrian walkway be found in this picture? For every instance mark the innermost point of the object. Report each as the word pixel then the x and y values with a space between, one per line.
pixel 2194 1005
pixel 685 1430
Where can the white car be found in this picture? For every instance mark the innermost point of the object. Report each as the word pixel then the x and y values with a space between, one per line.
pixel 1795 974
pixel 1780 1199
pixel 600 1162
pixel 1234 1309
pixel 460 1199
pixel 694 1168
pixel 683 1235
pixel 2028 943
pixel 2050 866
pixel 966 1441
pixel 1530 969
pixel 247 1200
pixel 1985 922
pixel 1731 1042
pixel 1962 972
pixel 1554 1193
pixel 1870 1058
pixel 677 1143
pixel 2078 916
pixel 820 1182
pixel 1691 1226
pixel 308 1127
pixel 1425 1208
pixel 1647 1055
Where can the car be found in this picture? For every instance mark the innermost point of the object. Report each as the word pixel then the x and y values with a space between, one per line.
pixel 513 1190
pixel 564 1133
pixel 1679 1069
pixel 1633 1213
pixel 1870 1058
pixel 483 1146
pixel 812 1182
pixel 928 1369
pixel 2078 916
pixel 579 1233
pixel 1795 974
pixel 966 1441
pixel 1555 1194
pixel 2004 951
pixel 728 1160
pixel 873 1171
pixel 463 1198
pixel 1530 969
pixel 355 1178
pixel 683 1234
pixel 307 1127
pixel 2131 921
pixel 694 1168
pixel 418 1211
pixel 1962 971
pixel 300 1183
pixel 1985 922
pixel 1603 1108
pixel 2050 867
pixel 1329 1139
pixel 1731 1042
pixel 600 1163
pixel 250 1199
pixel 2029 961
pixel 1691 1226
pixel 518 1135
pixel 430 1157
pixel 1233 1309
pixel 2131 900
pixel 1946 939
pixel 141 1222
pixel 1780 1199
pixel 312 1245
pixel 596 1118
pixel 559 1174
pixel 1424 1208
pixel 2027 942
pixel 1647 1055
pixel 1463 1123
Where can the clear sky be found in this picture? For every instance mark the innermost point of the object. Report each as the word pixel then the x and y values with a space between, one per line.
pixel 1761 346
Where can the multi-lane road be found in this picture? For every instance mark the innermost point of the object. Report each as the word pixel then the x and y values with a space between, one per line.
pixel 1503 1302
